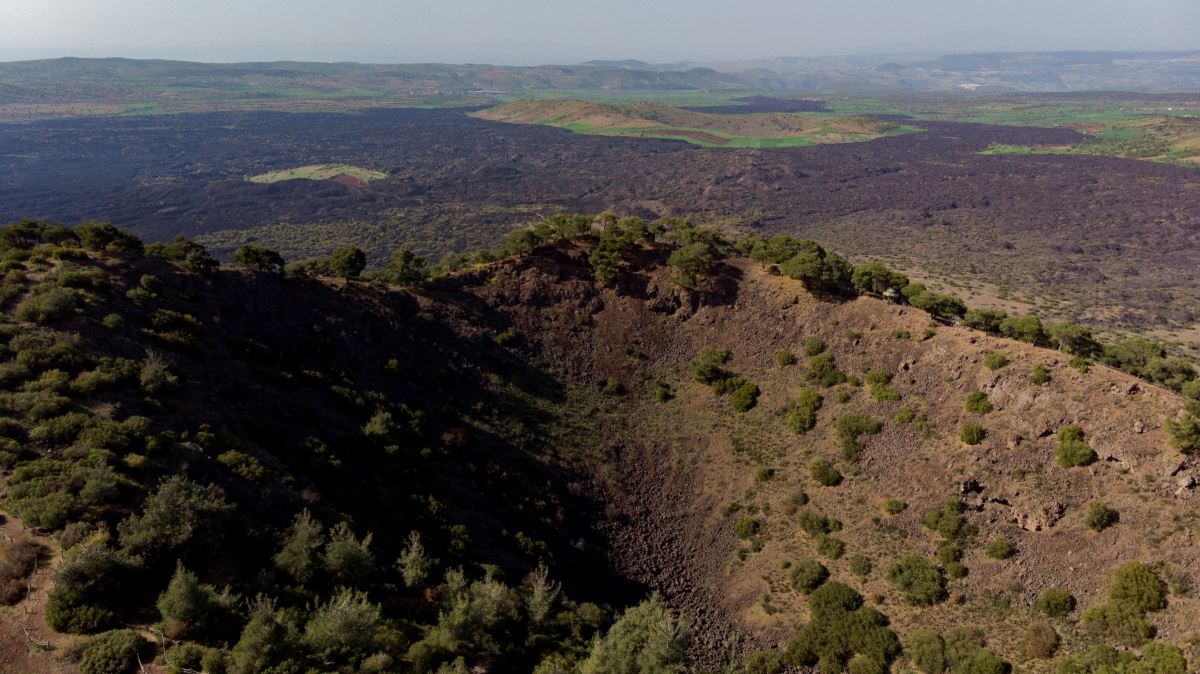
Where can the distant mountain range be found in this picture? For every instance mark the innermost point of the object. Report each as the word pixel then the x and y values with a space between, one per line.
pixel 120 80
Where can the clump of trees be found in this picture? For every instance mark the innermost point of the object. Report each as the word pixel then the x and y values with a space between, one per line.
pixel 961 650
pixel 842 634
pixel 920 581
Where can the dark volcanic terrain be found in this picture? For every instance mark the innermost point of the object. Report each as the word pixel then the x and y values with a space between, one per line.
pixel 1104 240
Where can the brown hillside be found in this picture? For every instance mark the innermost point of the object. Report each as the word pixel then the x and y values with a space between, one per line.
pixel 682 463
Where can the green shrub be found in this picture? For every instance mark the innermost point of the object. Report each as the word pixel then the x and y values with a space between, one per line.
pixel 921 583
pixel 746 527
pixel 978 403
pixel 1000 548
pixel 802 413
pixel 1080 364
pixel 646 638
pixel 807 575
pixel 47 306
pixel 1099 516
pixel 927 651
pixel 1072 451
pixel 744 397
pixel 755 662
pixel 860 565
pixel 114 652
pixel 824 473
pixel 823 371
pixel 815 524
pixel 709 365
pixel 1184 433
pixel 828 546
pixel 813 346
pixel 1122 624
pixel 1161 658
pixel 950 523
pixel 784 358
pixel 972 433
pixel 904 415
pixel 851 427
pixel 190 609
pixel 981 661
pixel 894 506
pixel 507 337
pixel 243 465
pixel 693 264
pixel 1137 586
pixel 259 258
pixel 840 630
pixel 1038 375
pixel 1055 602
pixel 995 361
pixel 347 558
pixel 344 627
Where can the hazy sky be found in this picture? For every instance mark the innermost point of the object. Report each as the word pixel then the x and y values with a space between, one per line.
pixel 523 31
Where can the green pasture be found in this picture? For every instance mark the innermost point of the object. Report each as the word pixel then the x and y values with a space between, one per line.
pixel 318 172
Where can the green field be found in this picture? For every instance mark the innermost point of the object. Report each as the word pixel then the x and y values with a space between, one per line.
pixel 318 172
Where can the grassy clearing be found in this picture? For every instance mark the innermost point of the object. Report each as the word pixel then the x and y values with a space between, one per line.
pixel 652 120
pixel 318 172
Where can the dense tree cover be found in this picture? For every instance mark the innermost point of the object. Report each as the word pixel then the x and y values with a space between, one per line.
pixel 180 425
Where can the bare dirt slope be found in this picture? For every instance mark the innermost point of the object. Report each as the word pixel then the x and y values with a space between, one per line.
pixel 688 468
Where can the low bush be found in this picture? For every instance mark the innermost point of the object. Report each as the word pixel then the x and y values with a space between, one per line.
pixel 1136 585
pixel 785 358
pixel 802 413
pixel 813 346
pixel 1072 451
pixel 828 546
pixel 1184 433
pixel 1099 516
pixel 744 396
pixel 114 652
pixel 972 433
pixel 824 473
pixel 823 371
pixel 709 365
pixel 807 575
pixel 19 560
pixel 1000 548
pixel 47 306
pixel 919 581
pixel 851 427
pixel 1055 602
pixel 746 527
pixel 950 523
pixel 1038 375
pixel 894 506
pixel 995 361
pixel 1039 640
pixel 860 565
pixel 978 403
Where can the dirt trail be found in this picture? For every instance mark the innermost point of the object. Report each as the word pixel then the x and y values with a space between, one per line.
pixel 26 644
